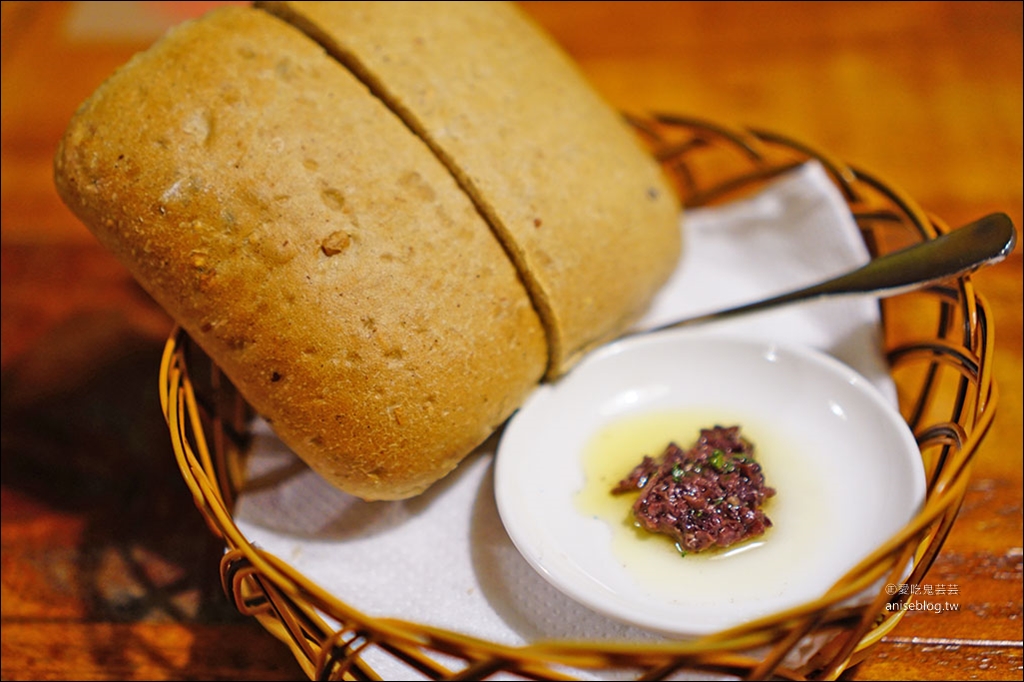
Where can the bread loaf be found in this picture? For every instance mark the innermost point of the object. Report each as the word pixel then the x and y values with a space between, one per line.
pixel 375 289
pixel 582 211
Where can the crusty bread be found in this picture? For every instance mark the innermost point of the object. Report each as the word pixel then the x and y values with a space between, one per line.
pixel 384 250
pixel 311 244
pixel 586 216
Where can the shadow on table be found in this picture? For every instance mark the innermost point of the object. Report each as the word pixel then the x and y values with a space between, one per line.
pixel 83 434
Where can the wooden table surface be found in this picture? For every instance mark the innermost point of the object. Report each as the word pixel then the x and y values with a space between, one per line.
pixel 109 571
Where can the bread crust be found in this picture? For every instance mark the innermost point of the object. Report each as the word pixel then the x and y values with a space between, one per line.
pixel 311 244
pixel 585 214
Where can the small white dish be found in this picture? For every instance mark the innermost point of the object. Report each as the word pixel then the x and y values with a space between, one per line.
pixel 845 465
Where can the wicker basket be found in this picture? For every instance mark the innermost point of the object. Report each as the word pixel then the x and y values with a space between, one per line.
pixel 939 344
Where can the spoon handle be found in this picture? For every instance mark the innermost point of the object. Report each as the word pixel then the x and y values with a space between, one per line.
pixel 982 242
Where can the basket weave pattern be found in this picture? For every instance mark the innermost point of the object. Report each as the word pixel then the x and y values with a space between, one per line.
pixel 941 364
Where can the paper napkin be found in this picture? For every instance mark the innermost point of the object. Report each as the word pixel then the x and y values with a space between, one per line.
pixel 443 558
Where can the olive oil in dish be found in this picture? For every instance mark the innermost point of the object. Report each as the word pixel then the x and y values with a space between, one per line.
pixel 761 567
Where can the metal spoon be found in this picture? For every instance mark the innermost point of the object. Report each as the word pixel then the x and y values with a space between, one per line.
pixel 982 242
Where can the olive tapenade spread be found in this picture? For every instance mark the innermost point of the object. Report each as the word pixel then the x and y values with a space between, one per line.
pixel 709 496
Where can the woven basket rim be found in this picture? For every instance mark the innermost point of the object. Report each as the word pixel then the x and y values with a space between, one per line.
pixel 292 608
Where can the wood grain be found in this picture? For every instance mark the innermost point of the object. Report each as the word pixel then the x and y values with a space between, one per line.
pixel 109 571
